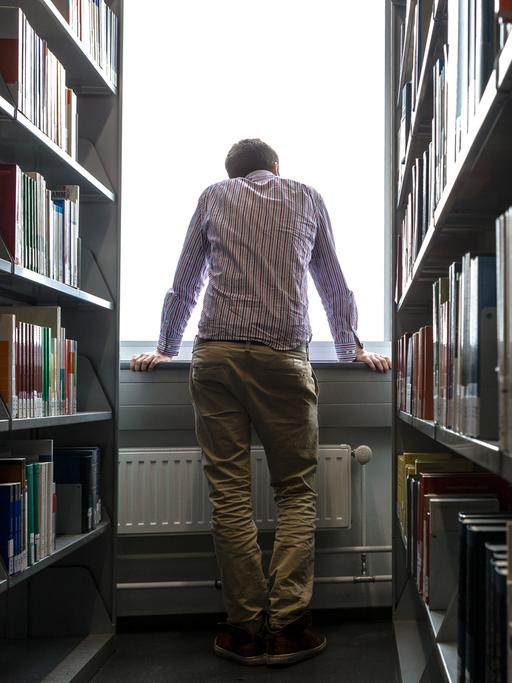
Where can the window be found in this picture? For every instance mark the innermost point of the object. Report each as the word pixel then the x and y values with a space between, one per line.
pixel 306 77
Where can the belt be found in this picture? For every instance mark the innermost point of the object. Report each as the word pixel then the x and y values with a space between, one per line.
pixel 301 348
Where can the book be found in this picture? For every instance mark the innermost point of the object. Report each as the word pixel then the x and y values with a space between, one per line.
pixel 8 351
pixel 12 470
pixel 482 387
pixel 35 78
pixel 7 531
pixel 460 483
pixel 466 520
pixel 442 558
pixel 79 469
pixel 504 326
pixel 476 537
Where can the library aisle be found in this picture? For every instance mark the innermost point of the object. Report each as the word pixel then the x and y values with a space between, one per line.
pixel 360 650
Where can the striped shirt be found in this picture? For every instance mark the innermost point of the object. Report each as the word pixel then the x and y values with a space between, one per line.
pixel 255 238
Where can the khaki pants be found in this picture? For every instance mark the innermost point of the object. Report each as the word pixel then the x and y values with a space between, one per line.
pixel 234 385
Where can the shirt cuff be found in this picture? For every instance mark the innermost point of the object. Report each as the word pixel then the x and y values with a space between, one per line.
pixel 346 353
pixel 171 347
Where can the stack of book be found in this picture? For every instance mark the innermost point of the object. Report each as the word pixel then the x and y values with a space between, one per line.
pixel 27 503
pixel 504 326
pixel 432 490
pixel 97 27
pixel 37 80
pixel 482 596
pixel 45 491
pixel 447 371
pixel 428 177
pixel 465 355
pixel 415 373
pixel 37 363
pixel 40 226
pixel 477 31
pixel 77 475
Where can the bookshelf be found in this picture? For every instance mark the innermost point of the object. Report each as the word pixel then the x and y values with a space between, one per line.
pixel 57 617
pixel 463 219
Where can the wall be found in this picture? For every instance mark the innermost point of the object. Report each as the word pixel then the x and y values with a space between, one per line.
pixel 354 408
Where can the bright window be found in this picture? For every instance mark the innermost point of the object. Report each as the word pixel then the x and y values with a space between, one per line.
pixel 306 77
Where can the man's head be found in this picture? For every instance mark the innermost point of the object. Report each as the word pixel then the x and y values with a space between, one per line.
pixel 247 156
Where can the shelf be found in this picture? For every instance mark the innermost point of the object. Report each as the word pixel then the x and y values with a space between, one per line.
pixel 72 658
pixel 4 425
pixel 428 427
pixel 471 196
pixel 5 266
pixel 435 619
pixel 436 23
pixel 58 420
pixel 65 545
pixel 479 135
pixel 83 74
pixel 448 655
pixel 487 454
pixel 3 585
pixel 6 108
pixel 23 143
pixel 29 283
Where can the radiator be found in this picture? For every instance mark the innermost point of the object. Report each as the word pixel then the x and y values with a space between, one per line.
pixel 164 490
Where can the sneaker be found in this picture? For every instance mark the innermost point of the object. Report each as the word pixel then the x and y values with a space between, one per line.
pixel 294 643
pixel 239 645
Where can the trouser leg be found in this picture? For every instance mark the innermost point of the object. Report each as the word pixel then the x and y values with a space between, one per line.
pixel 283 407
pixel 224 435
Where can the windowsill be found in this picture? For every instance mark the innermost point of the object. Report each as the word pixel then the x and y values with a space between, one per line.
pixel 322 354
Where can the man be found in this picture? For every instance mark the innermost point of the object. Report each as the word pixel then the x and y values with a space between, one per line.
pixel 255 236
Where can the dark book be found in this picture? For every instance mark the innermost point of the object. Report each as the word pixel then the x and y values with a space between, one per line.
pixel 493 552
pixel 466 520
pixel 499 651
pixel 95 453
pixel 482 356
pixel 453 293
pixel 476 537
pixel 78 469
pixel 7 525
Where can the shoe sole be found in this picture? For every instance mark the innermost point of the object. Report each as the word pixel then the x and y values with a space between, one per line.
pixel 293 657
pixel 257 660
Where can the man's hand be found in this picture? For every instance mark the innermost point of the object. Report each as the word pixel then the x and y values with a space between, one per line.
pixel 375 361
pixel 148 361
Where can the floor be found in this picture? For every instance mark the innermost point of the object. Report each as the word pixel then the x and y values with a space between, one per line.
pixel 360 649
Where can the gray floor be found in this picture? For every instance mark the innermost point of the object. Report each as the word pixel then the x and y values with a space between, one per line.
pixel 357 652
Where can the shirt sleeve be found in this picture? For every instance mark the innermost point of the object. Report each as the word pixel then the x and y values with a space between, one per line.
pixel 188 281
pixel 338 301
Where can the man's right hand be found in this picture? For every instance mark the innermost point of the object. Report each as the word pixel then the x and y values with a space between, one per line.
pixel 145 362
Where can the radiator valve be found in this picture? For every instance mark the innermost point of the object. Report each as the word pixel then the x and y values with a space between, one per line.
pixel 363 454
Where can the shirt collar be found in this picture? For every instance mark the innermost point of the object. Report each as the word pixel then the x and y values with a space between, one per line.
pixel 262 174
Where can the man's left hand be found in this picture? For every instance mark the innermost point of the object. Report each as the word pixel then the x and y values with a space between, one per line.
pixel 148 361
pixel 375 361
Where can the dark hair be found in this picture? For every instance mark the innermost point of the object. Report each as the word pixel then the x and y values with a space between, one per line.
pixel 247 156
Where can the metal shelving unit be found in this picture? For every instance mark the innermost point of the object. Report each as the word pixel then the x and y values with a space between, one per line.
pixel 83 73
pixel 476 193
pixel 57 618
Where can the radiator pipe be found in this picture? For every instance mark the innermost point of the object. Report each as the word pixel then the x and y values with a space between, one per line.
pixel 142 585
pixel 205 555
